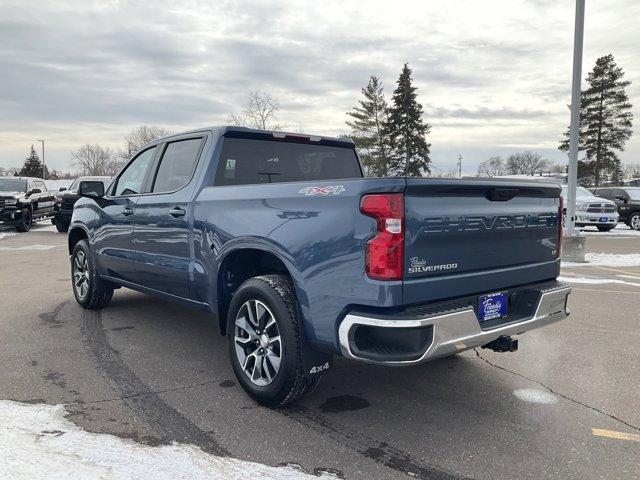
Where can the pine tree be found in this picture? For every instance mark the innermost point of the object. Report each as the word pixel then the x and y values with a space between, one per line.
pixel 605 120
pixel 367 129
pixel 32 165
pixel 406 130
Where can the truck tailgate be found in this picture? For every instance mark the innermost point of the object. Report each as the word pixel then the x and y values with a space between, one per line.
pixel 466 237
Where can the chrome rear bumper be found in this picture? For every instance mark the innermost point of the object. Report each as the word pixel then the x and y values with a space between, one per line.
pixel 457 330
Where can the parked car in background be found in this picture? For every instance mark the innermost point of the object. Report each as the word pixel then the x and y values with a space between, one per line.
pixel 627 200
pixel 66 199
pixel 24 200
pixel 593 211
pixel 301 258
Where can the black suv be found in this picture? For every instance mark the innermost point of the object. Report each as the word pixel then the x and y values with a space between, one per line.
pixel 628 201
pixel 66 199
pixel 24 200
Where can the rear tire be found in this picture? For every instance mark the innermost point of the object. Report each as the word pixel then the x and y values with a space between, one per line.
pixel 26 220
pixel 607 228
pixel 634 221
pixel 263 332
pixel 90 290
pixel 61 226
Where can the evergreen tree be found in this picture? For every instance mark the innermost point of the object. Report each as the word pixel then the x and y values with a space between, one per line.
pixel 367 129
pixel 32 165
pixel 409 155
pixel 605 120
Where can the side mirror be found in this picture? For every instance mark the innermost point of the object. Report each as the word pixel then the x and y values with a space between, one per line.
pixel 35 190
pixel 62 189
pixel 91 189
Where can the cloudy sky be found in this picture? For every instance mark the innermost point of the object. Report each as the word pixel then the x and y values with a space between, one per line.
pixel 493 76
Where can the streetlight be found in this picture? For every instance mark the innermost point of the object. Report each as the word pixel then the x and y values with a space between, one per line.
pixel 575 241
pixel 43 171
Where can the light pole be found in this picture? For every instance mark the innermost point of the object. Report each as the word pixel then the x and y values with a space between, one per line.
pixel 575 118
pixel 43 170
pixel 460 165
pixel 574 241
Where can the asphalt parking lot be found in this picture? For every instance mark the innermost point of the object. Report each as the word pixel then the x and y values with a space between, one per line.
pixel 566 405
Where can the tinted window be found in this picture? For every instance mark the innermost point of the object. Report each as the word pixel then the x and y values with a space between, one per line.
pixel 177 165
pixel 634 193
pixel 130 181
pixel 245 161
pixel 12 185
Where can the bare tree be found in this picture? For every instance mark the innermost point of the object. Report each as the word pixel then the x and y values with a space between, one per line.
pixel 631 171
pixel 527 163
pixel 138 137
pixel 492 167
pixel 94 159
pixel 260 112
pixel 558 168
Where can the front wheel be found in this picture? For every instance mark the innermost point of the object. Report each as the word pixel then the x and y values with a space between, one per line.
pixel 605 228
pixel 263 332
pixel 62 226
pixel 634 221
pixel 26 220
pixel 90 290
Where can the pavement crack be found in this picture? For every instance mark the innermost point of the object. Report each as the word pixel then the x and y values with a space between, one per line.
pixel 562 395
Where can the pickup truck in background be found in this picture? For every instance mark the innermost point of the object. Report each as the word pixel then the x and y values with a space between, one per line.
pixel 66 198
pixel 593 211
pixel 627 200
pixel 302 259
pixel 24 200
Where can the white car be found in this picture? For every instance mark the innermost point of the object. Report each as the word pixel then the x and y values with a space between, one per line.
pixel 592 210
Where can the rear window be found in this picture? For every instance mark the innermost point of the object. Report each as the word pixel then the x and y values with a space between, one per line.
pixel 247 161
pixel 177 165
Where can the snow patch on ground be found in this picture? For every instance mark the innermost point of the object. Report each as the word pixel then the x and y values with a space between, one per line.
pixel 6 235
pixel 607 260
pixel 37 441
pixel 596 281
pixel 27 247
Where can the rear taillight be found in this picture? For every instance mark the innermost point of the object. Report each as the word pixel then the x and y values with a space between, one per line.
pixel 384 253
pixel 560 226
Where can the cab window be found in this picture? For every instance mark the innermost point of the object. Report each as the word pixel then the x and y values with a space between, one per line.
pixel 177 165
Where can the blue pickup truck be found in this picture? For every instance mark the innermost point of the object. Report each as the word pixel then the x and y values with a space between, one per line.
pixel 301 258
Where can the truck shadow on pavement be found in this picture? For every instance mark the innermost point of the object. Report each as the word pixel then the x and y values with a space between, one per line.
pixel 369 410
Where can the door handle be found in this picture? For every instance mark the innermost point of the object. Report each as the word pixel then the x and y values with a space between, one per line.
pixel 127 211
pixel 176 212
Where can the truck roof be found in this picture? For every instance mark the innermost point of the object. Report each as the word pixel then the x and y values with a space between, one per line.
pixel 245 132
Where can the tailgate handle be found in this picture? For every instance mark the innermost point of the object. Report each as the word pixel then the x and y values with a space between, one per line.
pixel 502 194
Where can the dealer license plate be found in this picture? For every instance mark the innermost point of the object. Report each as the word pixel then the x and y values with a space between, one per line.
pixel 492 306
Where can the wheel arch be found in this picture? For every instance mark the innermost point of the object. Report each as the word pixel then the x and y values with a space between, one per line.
pixel 239 265
pixel 76 234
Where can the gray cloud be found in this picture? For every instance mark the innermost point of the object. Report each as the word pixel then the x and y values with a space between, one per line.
pixel 86 71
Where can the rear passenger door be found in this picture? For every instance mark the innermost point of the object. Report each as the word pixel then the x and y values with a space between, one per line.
pixel 163 218
pixel 45 199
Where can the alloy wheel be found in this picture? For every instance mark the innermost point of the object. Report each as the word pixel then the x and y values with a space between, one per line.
pixel 81 274
pixel 635 222
pixel 257 342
